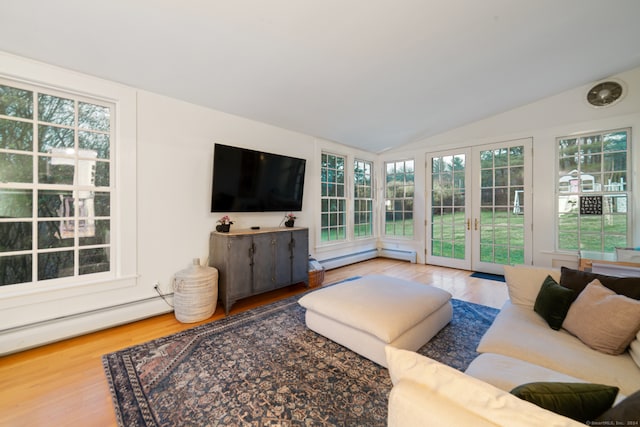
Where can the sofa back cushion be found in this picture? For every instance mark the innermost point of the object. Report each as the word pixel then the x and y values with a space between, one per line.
pixel 524 282
pixel 578 280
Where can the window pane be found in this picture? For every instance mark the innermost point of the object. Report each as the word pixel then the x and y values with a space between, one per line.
pixel 56 170
pixel 16 135
pixel 94 232
pixel 15 236
pixel 52 109
pixel 616 141
pixel 51 235
pixel 102 204
pixel 16 168
pixel 55 203
pixel 102 174
pixel 16 102
pixel 55 140
pixel 96 142
pixel 16 203
pixel 52 265
pixel 94 117
pixel 15 269
pixel 94 260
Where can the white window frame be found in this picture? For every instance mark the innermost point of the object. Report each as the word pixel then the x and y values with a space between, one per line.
pixel 74 226
pixel 327 197
pixel 358 199
pixel 390 202
pixel 85 292
pixel 590 188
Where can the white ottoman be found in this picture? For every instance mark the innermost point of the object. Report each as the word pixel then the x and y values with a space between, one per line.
pixel 368 313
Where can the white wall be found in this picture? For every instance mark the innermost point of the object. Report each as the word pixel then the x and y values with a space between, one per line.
pixel 175 156
pixel 164 178
pixel 564 114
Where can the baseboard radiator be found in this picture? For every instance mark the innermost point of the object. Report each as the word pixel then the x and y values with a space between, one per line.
pixel 343 260
pixel 410 256
pixel 36 334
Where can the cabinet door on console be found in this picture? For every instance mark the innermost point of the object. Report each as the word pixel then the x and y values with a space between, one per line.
pixel 300 256
pixel 238 280
pixel 283 259
pixel 264 270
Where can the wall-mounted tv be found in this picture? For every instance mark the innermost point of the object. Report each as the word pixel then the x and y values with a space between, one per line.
pixel 254 181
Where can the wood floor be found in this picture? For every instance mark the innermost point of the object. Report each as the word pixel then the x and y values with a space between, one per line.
pixel 63 384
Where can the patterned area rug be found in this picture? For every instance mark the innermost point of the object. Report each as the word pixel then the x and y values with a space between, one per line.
pixel 265 368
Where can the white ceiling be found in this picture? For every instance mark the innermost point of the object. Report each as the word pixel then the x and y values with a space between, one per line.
pixel 372 74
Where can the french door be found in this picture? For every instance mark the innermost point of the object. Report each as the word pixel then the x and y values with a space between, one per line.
pixel 479 206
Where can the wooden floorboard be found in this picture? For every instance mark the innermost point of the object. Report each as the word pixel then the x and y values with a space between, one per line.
pixel 63 384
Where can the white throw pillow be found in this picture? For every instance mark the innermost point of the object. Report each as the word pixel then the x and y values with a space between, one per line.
pixel 524 282
pixel 602 319
pixel 470 393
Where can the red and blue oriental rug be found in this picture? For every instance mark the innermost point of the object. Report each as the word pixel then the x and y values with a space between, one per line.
pixel 263 367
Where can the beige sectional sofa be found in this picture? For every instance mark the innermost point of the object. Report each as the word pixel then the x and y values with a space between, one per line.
pixel 521 347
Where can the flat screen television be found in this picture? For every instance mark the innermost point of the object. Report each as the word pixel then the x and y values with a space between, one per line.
pixel 254 181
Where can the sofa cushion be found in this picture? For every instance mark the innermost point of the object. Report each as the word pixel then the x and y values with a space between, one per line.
pixel 634 349
pixel 520 333
pixel 602 319
pixel 624 413
pixel 506 372
pixel 524 282
pixel 578 280
pixel 553 301
pixel 579 401
pixel 473 395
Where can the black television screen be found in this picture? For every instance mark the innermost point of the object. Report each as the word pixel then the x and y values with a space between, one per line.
pixel 253 181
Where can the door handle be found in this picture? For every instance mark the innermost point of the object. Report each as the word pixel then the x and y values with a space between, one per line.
pixel 476 224
pixel 468 224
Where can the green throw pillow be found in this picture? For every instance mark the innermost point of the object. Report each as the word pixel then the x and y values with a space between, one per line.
pixel 553 302
pixel 579 401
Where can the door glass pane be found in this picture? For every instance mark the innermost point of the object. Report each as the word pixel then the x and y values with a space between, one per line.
pixel 502 205
pixel 448 206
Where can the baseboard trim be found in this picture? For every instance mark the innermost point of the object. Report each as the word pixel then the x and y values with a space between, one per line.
pixel 25 337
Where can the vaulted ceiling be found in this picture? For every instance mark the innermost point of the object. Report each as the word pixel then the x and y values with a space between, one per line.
pixel 372 74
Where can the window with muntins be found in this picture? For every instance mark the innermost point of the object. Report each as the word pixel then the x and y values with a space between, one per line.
pixel 593 192
pixel 399 192
pixel 56 163
pixel 333 225
pixel 362 199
